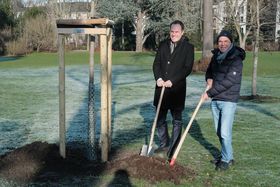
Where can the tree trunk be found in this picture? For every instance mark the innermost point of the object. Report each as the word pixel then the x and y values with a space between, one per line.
pixel 92 9
pixel 139 31
pixel 242 36
pixel 122 34
pixel 207 28
pixel 256 50
pixel 242 42
pixel 91 16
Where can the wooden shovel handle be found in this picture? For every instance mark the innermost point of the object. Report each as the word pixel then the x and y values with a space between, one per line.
pixel 155 120
pixel 173 159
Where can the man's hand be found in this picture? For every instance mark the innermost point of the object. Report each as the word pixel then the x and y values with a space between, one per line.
pixel 168 84
pixel 160 82
pixel 209 83
pixel 205 96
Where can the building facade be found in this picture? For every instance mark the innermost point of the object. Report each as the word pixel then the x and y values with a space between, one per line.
pixel 277 25
pixel 222 13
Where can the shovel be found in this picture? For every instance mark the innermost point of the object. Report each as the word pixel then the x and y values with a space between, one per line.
pixel 147 150
pixel 174 157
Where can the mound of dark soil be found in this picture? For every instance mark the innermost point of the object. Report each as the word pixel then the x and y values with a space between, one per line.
pixel 39 162
pixel 152 169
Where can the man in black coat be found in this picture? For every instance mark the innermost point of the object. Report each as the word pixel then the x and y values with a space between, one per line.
pixel 224 76
pixel 172 64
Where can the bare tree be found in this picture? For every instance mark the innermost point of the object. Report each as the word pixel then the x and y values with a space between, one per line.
pixel 258 12
pixel 234 10
pixel 207 28
pixel 261 9
pixel 256 48
pixel 140 24
pixel 93 8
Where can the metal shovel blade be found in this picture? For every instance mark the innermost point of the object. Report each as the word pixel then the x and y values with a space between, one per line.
pixel 148 150
pixel 144 150
pixel 151 151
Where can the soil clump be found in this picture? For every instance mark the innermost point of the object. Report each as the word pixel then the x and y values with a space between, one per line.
pixel 41 162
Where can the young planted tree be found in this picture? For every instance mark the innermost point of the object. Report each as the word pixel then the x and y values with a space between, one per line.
pixel 263 10
pixel 256 48
pixel 258 15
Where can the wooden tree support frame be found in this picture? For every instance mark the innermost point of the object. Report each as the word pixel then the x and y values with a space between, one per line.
pixel 102 28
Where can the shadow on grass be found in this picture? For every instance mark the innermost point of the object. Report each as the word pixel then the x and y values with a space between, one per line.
pixel 75 167
pixel 195 132
pixel 258 108
pixel 122 137
pixel 76 135
pixel 147 111
pixel 9 58
pixel 121 178
pixel 12 131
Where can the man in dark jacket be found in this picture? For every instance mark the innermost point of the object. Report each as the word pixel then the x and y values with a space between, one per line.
pixel 172 64
pixel 224 76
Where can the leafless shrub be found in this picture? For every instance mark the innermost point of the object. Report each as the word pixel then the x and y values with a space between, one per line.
pixel 17 48
pixel 40 33
pixel 270 46
pixel 5 35
pixel 201 64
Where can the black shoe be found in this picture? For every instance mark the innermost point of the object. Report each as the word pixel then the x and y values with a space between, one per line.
pixel 231 162
pixel 217 160
pixel 222 166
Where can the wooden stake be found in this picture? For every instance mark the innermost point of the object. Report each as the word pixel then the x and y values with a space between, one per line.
pixel 109 45
pixel 62 137
pixel 104 141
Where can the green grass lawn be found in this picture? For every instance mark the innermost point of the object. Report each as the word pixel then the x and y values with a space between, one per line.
pixel 29 112
pixel 268 61
pixel 39 60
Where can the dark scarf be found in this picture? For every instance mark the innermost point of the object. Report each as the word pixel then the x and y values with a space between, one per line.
pixel 221 56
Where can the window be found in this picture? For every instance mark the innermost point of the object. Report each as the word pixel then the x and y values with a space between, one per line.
pixel 215 11
pixel 242 10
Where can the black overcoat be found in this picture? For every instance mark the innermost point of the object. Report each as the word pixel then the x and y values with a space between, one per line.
pixel 174 67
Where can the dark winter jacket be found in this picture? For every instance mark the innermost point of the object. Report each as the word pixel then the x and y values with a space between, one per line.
pixel 174 67
pixel 226 75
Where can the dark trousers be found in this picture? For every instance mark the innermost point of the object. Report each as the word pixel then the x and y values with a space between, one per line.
pixel 162 129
